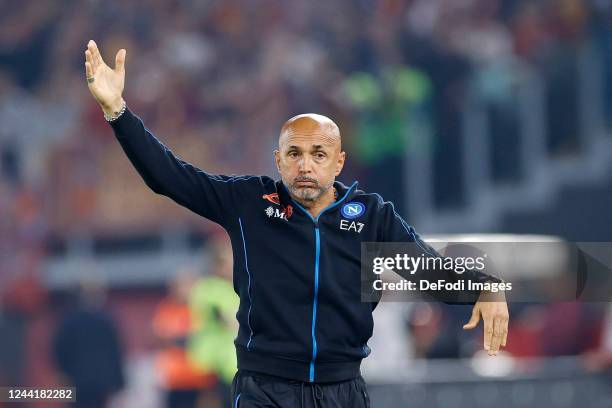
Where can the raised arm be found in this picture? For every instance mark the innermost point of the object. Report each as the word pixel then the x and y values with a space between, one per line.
pixel 207 195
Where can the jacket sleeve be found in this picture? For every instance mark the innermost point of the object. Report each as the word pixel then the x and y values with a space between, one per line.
pixel 397 230
pixel 210 196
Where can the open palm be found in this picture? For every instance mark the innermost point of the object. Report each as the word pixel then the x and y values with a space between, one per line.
pixel 105 84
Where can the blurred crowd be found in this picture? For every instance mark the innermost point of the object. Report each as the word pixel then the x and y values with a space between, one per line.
pixel 215 80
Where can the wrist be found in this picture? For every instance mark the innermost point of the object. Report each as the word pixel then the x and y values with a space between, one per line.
pixel 113 108
pixel 114 111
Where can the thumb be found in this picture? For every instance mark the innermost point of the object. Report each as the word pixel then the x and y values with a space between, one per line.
pixel 120 60
pixel 473 320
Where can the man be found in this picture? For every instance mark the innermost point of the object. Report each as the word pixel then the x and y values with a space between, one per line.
pixel 302 328
pixel 87 349
pixel 182 381
pixel 214 305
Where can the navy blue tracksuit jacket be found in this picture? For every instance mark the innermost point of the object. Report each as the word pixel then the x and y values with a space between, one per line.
pixel 298 277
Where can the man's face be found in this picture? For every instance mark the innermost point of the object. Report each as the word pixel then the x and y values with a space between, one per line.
pixel 309 156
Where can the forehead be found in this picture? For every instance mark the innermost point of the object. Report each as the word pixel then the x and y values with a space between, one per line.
pixel 308 130
pixel 307 141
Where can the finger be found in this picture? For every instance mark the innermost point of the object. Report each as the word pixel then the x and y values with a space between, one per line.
pixel 488 332
pixel 120 60
pixel 497 336
pixel 495 342
pixel 505 328
pixel 92 54
pixel 96 53
pixel 474 319
pixel 88 70
pixel 89 60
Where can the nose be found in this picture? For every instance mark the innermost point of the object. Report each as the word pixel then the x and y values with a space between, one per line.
pixel 305 165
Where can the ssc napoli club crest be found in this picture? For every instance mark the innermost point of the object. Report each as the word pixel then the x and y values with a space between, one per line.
pixel 353 210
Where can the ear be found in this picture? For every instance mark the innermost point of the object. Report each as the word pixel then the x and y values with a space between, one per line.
pixel 340 163
pixel 277 159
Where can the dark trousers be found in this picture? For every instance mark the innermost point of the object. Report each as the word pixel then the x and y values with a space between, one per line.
pixel 255 390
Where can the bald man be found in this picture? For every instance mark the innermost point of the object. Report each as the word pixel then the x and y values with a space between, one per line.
pixel 303 330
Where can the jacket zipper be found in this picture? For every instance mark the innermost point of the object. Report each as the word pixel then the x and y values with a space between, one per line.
pixel 311 375
pixel 314 305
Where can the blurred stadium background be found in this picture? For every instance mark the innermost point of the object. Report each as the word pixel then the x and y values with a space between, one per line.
pixel 484 116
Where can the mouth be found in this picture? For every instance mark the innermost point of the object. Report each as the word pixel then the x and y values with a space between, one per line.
pixel 305 184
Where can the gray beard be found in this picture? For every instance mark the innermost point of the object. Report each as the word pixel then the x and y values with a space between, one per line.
pixel 307 194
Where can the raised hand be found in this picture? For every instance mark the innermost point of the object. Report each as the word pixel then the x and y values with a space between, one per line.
pixel 105 84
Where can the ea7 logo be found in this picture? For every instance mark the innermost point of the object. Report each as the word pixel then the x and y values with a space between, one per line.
pixel 347 225
pixel 283 213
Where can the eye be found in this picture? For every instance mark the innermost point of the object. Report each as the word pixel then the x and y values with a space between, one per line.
pixel 292 154
pixel 320 155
